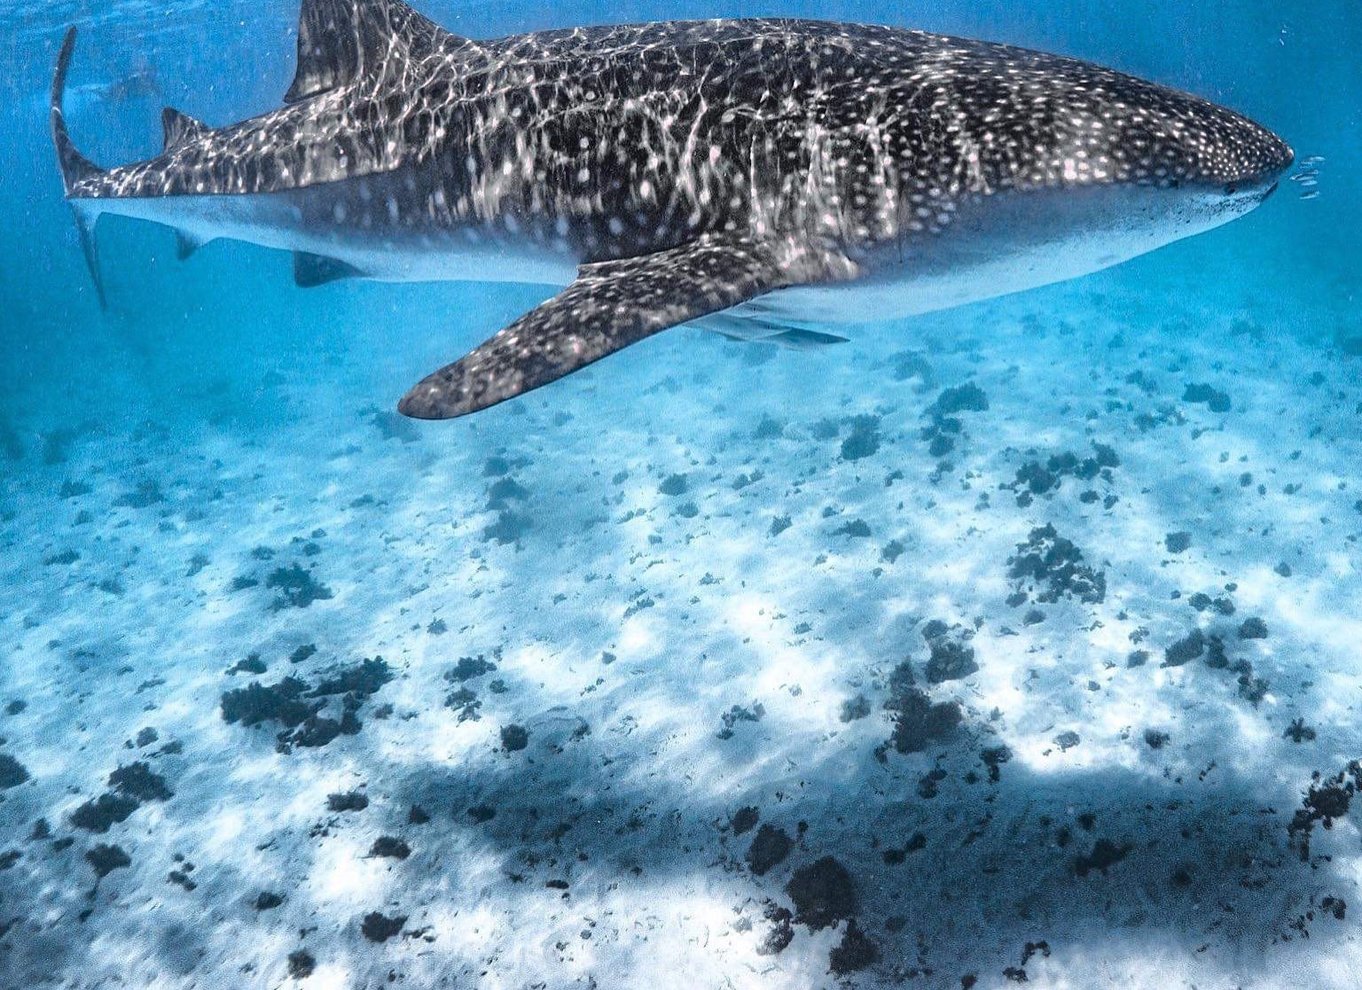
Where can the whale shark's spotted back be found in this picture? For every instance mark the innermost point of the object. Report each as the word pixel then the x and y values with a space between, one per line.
pixel 687 166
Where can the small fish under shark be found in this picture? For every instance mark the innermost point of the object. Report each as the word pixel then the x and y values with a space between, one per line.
pixel 769 179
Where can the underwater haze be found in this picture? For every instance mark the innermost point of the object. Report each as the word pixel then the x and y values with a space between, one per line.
pixel 1014 643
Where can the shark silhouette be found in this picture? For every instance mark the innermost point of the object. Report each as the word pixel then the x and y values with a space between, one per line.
pixel 768 178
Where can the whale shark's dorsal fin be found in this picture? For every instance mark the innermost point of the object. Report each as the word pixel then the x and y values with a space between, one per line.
pixel 340 41
pixel 613 304
pixel 180 128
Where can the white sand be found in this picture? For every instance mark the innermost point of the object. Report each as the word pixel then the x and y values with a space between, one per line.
pixel 625 791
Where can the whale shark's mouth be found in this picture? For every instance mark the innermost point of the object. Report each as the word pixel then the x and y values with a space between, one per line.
pixel 1243 198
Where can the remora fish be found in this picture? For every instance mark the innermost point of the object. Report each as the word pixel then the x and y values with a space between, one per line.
pixel 767 177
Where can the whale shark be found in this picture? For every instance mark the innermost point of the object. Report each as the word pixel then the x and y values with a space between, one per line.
pixel 767 179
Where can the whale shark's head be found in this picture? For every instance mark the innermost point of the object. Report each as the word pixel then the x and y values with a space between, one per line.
pixel 1182 163
pixel 1031 120
pixel 1028 120
pixel 1059 167
pixel 1197 155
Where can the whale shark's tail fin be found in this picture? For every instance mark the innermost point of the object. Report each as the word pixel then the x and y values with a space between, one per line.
pixel 75 167
pixel 86 219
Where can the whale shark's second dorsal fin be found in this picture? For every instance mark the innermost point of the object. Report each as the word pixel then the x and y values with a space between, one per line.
pixel 180 128
pixel 186 243
pixel 342 41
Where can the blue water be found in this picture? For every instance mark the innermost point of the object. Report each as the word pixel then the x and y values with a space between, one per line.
pixel 714 665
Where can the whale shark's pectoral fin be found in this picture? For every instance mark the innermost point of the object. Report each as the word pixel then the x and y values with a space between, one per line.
pixel 312 270
pixel 611 305
pixel 744 329
pixel 800 339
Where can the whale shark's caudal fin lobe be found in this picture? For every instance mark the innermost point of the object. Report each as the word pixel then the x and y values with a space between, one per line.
pixel 611 305
pixel 341 41
pixel 76 168
pixel 85 229
pixel 180 128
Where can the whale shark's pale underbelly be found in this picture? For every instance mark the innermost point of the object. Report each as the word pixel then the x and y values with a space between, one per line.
pixel 995 246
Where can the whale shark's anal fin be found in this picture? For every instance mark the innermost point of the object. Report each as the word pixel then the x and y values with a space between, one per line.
pixel 312 270
pixel 186 244
pixel 611 305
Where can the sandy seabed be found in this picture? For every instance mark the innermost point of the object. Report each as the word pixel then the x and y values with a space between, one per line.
pixel 1018 644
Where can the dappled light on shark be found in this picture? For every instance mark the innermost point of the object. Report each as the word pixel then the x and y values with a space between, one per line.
pixel 770 176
